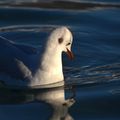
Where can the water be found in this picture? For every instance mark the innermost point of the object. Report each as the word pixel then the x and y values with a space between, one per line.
pixel 92 89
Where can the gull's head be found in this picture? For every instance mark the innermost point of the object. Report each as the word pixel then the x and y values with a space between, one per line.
pixel 61 38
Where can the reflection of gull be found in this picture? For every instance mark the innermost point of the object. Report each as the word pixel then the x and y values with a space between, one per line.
pixel 23 65
pixel 45 101
pixel 56 98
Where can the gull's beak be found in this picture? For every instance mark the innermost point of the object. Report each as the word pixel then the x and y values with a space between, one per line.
pixel 70 54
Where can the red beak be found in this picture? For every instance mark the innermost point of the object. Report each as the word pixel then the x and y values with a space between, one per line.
pixel 70 54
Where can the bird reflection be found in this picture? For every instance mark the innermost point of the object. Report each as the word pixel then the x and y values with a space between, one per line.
pixel 54 97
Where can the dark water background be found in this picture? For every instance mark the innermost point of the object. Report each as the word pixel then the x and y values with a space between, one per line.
pixel 93 76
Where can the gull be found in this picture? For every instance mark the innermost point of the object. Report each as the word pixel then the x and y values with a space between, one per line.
pixel 24 65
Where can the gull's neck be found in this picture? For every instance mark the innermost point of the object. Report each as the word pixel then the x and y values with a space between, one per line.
pixel 50 70
pixel 52 60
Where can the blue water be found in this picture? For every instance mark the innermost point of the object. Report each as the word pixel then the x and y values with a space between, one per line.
pixel 92 78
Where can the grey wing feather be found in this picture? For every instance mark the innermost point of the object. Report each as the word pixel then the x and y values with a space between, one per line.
pixel 14 58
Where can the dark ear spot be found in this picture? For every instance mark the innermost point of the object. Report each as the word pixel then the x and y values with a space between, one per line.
pixel 60 40
pixel 68 44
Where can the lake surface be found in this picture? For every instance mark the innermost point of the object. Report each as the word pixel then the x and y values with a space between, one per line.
pixel 92 90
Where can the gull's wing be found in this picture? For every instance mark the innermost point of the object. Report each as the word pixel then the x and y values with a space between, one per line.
pixel 11 55
pixel 30 50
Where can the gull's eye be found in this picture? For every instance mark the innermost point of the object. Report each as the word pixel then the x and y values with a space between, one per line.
pixel 68 44
pixel 60 40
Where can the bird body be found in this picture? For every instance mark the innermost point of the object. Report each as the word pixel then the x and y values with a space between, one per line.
pixel 23 65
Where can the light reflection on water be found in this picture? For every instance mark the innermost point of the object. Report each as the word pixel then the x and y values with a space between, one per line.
pixel 54 98
pixel 63 4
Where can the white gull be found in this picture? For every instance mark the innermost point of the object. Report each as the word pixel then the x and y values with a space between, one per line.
pixel 23 65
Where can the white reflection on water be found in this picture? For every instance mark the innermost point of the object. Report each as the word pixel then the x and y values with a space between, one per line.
pixel 56 98
pixel 53 97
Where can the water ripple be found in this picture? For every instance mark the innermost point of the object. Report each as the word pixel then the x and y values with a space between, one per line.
pixel 28 28
pixel 57 4
pixel 93 75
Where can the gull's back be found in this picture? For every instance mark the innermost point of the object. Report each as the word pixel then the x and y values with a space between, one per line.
pixel 13 55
